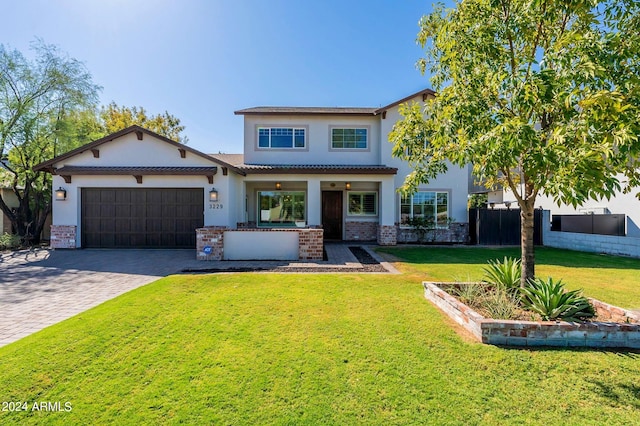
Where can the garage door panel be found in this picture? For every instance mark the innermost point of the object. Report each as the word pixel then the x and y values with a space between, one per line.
pixel 141 217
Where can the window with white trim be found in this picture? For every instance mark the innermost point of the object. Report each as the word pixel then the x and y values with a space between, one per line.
pixel 432 205
pixel 281 208
pixel 349 138
pixel 282 137
pixel 363 203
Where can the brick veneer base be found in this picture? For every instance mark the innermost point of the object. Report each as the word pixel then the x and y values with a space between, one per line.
pixel 310 241
pixel 63 237
pixel 543 333
pixel 360 231
pixel 387 235
pixel 456 233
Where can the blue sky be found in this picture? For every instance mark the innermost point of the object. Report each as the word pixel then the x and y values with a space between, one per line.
pixel 202 59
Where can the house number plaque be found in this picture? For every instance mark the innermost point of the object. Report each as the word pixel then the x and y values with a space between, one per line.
pixel 215 206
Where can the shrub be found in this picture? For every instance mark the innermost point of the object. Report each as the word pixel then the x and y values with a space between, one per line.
pixel 550 300
pixel 505 274
pixel 9 241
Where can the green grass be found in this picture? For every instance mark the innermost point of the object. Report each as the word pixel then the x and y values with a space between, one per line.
pixel 302 349
pixel 612 279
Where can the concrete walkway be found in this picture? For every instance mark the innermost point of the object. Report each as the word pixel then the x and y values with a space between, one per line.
pixel 41 287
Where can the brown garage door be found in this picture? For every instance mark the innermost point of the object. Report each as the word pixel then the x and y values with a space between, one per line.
pixel 141 218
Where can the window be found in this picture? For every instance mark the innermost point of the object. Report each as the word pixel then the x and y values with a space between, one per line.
pixel 363 203
pixel 280 208
pixel 281 137
pixel 349 138
pixel 428 204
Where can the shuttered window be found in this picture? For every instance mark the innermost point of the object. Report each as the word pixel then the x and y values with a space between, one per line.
pixel 363 203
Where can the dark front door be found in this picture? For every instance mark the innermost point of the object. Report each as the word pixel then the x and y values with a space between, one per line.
pixel 332 214
pixel 141 217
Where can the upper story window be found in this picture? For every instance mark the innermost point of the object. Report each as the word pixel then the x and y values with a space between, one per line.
pixel 349 138
pixel 281 137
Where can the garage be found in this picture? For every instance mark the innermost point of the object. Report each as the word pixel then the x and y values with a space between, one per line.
pixel 141 217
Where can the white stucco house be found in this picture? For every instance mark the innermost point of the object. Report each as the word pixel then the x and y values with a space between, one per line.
pixel 306 174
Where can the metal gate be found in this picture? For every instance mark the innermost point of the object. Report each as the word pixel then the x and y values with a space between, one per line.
pixel 500 227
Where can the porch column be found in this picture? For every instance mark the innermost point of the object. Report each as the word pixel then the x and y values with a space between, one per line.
pixel 387 202
pixel 314 202
pixel 387 232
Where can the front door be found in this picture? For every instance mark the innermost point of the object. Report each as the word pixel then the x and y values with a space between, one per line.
pixel 332 214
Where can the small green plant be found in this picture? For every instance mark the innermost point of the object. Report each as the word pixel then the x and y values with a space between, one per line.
pixel 469 293
pixel 501 304
pixel 550 300
pixel 505 274
pixel 9 241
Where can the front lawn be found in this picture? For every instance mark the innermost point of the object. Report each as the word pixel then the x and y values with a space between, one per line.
pixel 301 349
pixel 612 279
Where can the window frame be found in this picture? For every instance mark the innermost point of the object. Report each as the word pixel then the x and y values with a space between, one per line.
pixel 355 128
pixel 283 224
pixel 436 206
pixel 362 204
pixel 293 128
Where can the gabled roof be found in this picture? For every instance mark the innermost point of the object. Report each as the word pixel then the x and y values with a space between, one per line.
pixel 284 110
pixel 424 93
pixel 48 165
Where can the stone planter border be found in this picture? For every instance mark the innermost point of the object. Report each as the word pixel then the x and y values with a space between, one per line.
pixel 625 334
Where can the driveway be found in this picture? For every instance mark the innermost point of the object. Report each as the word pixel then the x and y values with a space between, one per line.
pixel 41 287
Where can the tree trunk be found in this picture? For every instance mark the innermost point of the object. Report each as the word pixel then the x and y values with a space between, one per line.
pixel 526 242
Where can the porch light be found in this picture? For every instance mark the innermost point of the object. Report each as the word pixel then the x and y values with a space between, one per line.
pixel 61 194
pixel 347 186
pixel 278 186
pixel 213 195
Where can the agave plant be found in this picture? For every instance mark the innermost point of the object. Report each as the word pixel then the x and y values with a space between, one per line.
pixel 551 301
pixel 505 274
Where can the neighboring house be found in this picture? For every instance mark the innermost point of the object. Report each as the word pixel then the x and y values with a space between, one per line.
pixel 302 169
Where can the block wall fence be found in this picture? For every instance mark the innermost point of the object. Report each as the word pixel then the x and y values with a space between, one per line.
pixel 593 243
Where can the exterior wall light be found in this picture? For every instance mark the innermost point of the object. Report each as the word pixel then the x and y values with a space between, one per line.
pixel 61 194
pixel 347 186
pixel 278 186
pixel 213 195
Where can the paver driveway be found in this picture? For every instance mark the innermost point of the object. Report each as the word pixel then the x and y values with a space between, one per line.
pixel 41 287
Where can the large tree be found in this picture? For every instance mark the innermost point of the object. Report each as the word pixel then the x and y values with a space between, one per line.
pixel 114 118
pixel 540 96
pixel 36 97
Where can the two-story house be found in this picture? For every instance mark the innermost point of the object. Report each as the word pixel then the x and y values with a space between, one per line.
pixel 306 173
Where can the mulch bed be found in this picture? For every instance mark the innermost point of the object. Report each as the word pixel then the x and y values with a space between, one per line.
pixel 369 265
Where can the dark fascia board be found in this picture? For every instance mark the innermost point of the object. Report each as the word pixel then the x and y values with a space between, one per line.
pixel 273 110
pixel 428 92
pixel 346 170
pixel 48 165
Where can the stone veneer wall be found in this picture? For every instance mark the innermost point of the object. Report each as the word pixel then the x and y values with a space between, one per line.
pixel 310 241
pixel 63 236
pixel 612 313
pixel 533 333
pixel 456 233
pixel 387 235
pixel 360 231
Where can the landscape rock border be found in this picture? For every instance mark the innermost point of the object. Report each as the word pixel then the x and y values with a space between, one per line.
pixel 594 334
